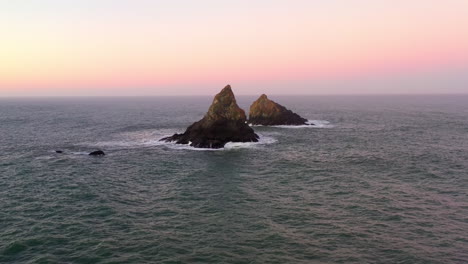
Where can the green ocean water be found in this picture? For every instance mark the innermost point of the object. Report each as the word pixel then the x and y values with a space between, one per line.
pixel 379 179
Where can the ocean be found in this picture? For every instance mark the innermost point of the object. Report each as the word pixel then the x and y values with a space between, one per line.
pixel 378 179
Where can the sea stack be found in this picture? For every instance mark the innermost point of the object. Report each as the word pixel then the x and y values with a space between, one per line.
pixel 269 113
pixel 224 122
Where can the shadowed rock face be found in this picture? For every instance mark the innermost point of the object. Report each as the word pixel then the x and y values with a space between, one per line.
pixel 268 113
pixel 224 122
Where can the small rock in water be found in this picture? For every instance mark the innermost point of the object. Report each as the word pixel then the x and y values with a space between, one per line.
pixel 97 153
pixel 58 151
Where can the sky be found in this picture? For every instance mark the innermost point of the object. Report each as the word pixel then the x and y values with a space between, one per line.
pixel 196 47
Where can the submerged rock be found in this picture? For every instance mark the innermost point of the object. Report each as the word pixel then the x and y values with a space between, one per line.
pixel 269 113
pixel 97 153
pixel 224 122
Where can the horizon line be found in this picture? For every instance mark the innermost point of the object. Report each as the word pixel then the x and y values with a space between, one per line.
pixel 205 95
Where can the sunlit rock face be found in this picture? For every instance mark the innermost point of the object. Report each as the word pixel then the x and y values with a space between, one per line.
pixel 269 113
pixel 224 122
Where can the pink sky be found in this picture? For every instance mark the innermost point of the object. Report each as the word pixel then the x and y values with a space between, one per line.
pixel 53 47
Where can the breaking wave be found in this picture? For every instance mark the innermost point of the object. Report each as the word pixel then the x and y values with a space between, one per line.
pixel 151 138
pixel 309 124
pixel 263 140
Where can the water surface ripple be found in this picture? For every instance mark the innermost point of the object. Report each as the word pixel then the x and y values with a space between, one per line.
pixel 385 182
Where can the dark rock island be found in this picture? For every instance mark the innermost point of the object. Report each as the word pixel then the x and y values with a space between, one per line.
pixel 224 122
pixel 269 113
pixel 97 153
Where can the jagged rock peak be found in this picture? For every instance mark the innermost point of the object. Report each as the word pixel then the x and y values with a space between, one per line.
pixel 267 112
pixel 224 106
pixel 224 122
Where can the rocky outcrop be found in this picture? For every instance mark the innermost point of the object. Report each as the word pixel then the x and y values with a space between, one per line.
pixel 224 122
pixel 97 153
pixel 269 113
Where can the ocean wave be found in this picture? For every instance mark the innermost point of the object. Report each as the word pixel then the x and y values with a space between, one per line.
pixel 263 140
pixel 152 139
pixel 309 124
pixel 66 152
pixel 79 152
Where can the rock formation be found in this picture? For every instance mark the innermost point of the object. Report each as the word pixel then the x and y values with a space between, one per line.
pixel 97 153
pixel 224 122
pixel 269 113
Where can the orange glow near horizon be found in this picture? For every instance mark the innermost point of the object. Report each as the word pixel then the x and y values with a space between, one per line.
pixel 120 54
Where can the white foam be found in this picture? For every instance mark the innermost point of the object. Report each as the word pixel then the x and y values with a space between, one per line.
pixel 320 123
pixel 135 139
pixel 151 138
pixel 47 157
pixel 309 124
pixel 173 145
pixel 80 153
pixel 263 140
